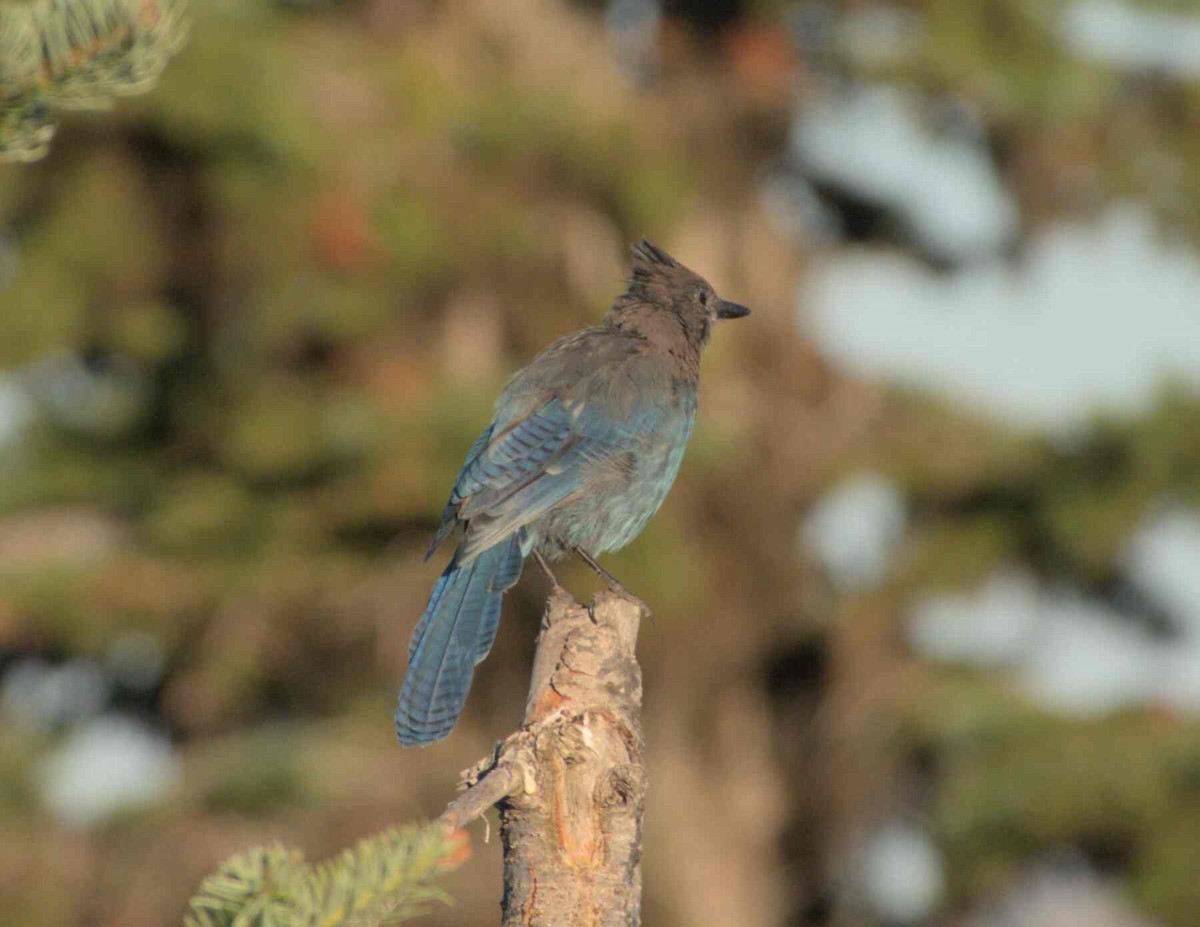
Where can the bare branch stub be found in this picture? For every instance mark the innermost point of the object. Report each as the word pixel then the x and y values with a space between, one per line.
pixel 499 782
pixel 572 842
pixel 573 778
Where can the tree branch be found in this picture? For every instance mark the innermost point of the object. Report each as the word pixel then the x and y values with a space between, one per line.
pixel 498 784
pixel 571 782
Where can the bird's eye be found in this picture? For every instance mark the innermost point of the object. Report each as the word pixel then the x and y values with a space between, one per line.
pixel 703 297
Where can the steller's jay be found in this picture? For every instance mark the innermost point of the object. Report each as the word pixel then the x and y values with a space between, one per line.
pixel 584 445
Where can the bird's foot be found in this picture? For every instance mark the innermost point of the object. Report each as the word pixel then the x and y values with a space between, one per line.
pixel 615 586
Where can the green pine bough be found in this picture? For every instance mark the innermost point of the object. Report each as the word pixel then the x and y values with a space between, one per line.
pixel 386 878
pixel 76 54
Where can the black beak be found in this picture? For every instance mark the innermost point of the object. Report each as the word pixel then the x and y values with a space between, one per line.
pixel 728 310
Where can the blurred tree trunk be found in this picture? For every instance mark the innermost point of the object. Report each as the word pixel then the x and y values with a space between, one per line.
pixel 571 782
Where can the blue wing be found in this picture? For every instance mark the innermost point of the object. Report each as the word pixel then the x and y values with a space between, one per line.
pixel 515 474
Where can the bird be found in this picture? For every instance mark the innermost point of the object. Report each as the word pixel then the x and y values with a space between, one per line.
pixel 583 448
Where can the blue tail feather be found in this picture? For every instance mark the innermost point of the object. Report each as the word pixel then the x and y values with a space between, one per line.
pixel 455 633
pixel 504 578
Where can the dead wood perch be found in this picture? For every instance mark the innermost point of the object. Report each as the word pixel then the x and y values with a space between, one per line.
pixel 571 782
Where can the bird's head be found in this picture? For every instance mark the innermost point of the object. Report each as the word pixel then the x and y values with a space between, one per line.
pixel 659 284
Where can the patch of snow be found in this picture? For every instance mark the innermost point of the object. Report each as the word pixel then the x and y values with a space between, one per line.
pixel 110 764
pixel 1060 893
pixel 1086 660
pixel 40 696
pixel 991 626
pixel 1179 680
pixel 1132 39
pixel 1163 558
pixel 1094 317
pixel 794 206
pixel 633 29
pixel 854 529
pixel 902 874
pixel 16 409
pixel 1072 655
pixel 103 401
pixel 944 188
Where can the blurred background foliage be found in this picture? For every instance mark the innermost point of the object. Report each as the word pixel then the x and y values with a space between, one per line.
pixel 925 649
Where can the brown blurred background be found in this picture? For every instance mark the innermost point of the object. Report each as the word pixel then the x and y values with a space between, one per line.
pixel 927 591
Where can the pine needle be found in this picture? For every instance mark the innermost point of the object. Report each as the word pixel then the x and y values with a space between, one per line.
pixel 385 878
pixel 77 54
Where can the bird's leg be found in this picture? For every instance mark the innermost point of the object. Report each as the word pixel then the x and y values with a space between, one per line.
pixel 591 561
pixel 614 584
pixel 545 568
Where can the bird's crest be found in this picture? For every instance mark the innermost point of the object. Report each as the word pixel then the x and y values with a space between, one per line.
pixel 647 257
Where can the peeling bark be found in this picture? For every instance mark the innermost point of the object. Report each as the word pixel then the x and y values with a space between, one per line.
pixel 571 783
